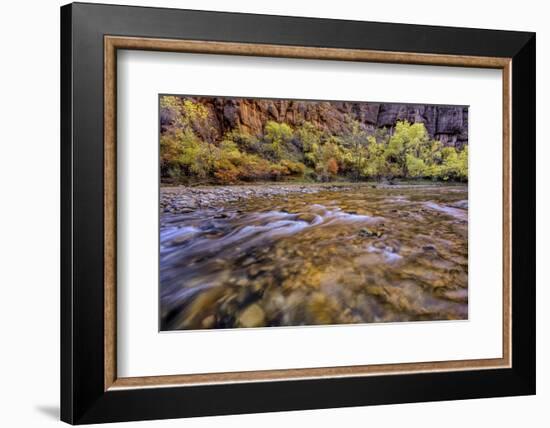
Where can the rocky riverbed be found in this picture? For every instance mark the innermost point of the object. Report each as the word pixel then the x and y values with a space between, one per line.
pixel 302 254
pixel 183 199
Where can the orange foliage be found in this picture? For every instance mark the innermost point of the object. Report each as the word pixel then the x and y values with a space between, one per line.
pixel 332 166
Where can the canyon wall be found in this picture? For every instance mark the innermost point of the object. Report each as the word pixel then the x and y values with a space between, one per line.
pixel 449 124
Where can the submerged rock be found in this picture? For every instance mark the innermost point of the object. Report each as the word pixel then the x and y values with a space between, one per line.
pixel 307 217
pixel 367 233
pixel 208 322
pixel 252 316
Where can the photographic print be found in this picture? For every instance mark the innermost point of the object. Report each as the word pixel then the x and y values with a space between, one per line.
pixel 284 212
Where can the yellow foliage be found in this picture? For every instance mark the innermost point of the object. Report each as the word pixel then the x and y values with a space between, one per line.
pixel 191 149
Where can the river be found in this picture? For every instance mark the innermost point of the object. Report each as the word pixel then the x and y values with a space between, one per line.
pixel 359 254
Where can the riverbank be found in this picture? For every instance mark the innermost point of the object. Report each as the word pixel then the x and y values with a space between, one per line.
pixel 186 199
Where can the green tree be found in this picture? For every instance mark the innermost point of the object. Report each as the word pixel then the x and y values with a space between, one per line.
pixel 376 165
pixel 355 142
pixel 278 135
pixel 192 150
pixel 328 158
pixel 407 140
pixel 309 136
pixel 416 167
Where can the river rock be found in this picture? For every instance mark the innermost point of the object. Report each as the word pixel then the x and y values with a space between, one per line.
pixel 185 210
pixel 242 282
pixel 252 316
pixel 307 217
pixel 208 322
pixel 460 204
pixel 367 233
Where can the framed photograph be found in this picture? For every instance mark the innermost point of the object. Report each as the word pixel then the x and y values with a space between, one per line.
pixel 266 213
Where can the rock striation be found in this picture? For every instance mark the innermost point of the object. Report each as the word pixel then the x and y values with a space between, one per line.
pixel 446 123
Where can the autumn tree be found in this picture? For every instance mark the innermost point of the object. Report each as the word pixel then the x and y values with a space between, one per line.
pixel 355 141
pixel 191 150
pixel 277 135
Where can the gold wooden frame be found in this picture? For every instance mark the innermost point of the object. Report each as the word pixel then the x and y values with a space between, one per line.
pixel 113 43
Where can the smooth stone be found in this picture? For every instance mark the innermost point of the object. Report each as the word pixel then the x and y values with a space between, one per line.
pixel 248 261
pixel 243 282
pixel 208 322
pixel 307 217
pixel 252 316
pixel 367 233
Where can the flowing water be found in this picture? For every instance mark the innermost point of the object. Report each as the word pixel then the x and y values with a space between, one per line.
pixel 357 255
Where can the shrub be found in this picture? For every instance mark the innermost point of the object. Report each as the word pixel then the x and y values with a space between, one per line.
pixel 278 135
pixel 294 168
pixel 191 149
pixel 332 167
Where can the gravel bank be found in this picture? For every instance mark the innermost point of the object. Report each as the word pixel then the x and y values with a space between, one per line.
pixel 183 199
